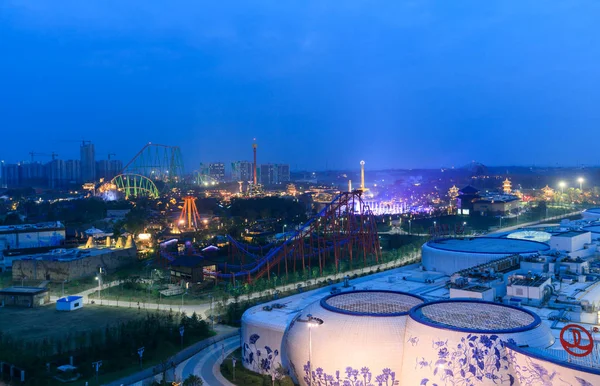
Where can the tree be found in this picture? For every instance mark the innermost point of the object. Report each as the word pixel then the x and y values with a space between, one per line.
pixel 193 380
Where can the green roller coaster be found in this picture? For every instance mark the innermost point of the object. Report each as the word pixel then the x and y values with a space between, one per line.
pixel 134 186
pixel 157 162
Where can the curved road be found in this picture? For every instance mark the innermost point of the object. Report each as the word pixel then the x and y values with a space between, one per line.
pixel 207 362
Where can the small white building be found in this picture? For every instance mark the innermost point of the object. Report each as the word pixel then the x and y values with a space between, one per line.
pixel 473 292
pixel 570 241
pixel 532 289
pixel 69 303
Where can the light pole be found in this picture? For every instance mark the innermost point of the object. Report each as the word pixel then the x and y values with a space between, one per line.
pixel 580 180
pixel 562 185
pixel 409 226
pixel 212 319
pixel 233 360
pixel 99 280
pixel 141 354
pixel 181 331
pixel 182 295
pixel 312 322
pixel 464 227
pixel 97 366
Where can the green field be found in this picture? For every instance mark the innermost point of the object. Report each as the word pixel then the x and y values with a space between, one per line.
pixel 42 322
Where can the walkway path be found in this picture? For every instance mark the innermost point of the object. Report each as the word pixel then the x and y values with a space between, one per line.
pixel 207 363
pixel 197 350
pixel 204 309
pixel 528 224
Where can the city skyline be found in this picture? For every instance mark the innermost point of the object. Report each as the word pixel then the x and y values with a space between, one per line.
pixel 320 85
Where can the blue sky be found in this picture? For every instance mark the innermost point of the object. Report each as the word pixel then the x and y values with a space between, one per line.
pixel 318 83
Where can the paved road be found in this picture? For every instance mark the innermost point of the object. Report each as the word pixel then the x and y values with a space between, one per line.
pixel 528 224
pixel 207 363
pixel 179 359
pixel 204 309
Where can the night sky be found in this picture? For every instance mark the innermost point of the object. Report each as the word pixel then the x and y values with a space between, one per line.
pixel 318 83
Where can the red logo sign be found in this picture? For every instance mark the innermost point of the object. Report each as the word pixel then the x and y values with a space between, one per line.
pixel 575 346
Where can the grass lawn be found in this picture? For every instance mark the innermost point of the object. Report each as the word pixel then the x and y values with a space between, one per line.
pixel 40 322
pixel 5 279
pixel 135 295
pixel 246 377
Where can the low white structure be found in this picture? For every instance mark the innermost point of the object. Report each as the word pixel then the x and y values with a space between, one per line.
pixel 69 303
pixel 452 255
pixel 530 289
pixel 570 241
pixel 473 292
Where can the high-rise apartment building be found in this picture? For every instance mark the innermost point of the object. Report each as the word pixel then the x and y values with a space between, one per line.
pixel 108 169
pixel 88 161
pixel 10 175
pixel 56 171
pixel 73 170
pixel 267 174
pixel 241 171
pixel 216 170
pixel 271 174
pixel 283 173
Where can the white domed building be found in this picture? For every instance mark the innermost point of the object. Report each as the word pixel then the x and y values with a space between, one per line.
pixel 350 337
pixel 462 342
pixel 531 235
pixel 453 254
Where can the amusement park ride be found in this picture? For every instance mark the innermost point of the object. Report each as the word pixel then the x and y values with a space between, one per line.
pixel 153 162
pixel 344 231
pixel 189 217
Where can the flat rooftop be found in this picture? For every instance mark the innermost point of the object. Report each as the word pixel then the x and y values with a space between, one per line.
pixel 474 315
pixel 31 227
pixel 570 234
pixel 488 245
pixel 22 290
pixel 476 288
pixel 592 228
pixel 69 254
pixel 533 282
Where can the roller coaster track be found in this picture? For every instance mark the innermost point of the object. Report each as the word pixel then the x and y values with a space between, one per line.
pixel 344 230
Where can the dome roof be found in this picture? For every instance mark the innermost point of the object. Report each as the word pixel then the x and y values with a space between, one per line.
pixel 475 316
pixel 539 236
pixel 371 303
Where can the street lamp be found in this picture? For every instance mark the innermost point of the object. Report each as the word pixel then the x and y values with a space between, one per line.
pixel 562 185
pixel 312 322
pixel 409 226
pixel 580 180
pixel 99 280
pixel 181 331
pixel 212 318
pixel 97 365
pixel 141 353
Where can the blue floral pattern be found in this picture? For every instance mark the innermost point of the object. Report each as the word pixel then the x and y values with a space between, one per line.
pixel 475 360
pixel 259 360
pixel 530 372
pixel 350 377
